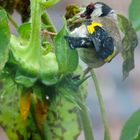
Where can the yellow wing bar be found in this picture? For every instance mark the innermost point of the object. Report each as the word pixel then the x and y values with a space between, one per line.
pixel 109 58
pixel 91 27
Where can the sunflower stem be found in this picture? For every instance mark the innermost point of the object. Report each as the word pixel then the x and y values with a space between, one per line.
pixel 35 39
pixel 102 106
pixel 86 123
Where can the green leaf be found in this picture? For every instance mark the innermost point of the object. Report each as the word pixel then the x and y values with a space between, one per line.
pixel 129 43
pixel 10 117
pixel 24 31
pixel 50 3
pixel 39 92
pixel 66 57
pixel 131 128
pixel 4 38
pixel 9 108
pixel 134 15
pixel 43 66
pixel 49 72
pixel 25 79
pixel 64 123
pixel 69 89
pixel 138 136
pixel 64 115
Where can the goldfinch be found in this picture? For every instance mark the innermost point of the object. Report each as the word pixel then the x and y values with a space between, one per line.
pixel 98 38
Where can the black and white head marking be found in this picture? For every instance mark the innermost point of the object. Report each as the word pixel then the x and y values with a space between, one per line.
pixel 88 11
pixel 102 8
pixel 98 9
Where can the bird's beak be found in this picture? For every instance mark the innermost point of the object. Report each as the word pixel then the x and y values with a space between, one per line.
pixel 83 15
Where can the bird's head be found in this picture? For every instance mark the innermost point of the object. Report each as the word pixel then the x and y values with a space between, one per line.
pixel 97 9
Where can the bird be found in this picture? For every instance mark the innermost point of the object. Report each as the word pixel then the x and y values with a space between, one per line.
pixel 98 39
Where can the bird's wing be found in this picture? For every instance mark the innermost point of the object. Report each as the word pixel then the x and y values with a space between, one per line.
pixel 97 37
pixel 103 43
pixel 78 42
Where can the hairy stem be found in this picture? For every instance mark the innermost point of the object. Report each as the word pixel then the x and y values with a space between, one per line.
pixel 35 40
pixel 102 106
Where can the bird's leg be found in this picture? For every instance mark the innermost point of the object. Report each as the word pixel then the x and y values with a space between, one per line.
pixel 86 71
pixel 83 76
pixel 76 77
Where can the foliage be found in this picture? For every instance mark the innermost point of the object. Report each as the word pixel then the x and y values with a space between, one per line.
pixel 68 60
pixel 8 5
pixel 5 38
pixel 131 129
pixel 39 94
pixel 42 87
pixel 64 116
pixel 134 14
pixel 22 7
pixel 129 43
pixel 50 3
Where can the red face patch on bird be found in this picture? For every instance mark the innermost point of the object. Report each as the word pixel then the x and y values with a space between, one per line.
pixel 88 12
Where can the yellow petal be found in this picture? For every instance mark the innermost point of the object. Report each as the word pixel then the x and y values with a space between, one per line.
pixel 25 105
pixel 40 113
